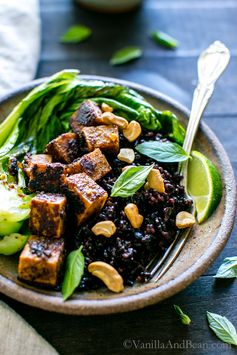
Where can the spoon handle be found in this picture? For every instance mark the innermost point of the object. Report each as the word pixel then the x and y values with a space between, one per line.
pixel 211 64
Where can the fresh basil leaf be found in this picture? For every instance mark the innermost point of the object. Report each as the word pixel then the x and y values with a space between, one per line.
pixel 164 39
pixel 76 34
pixel 183 317
pixel 228 269
pixel 73 274
pixel 126 54
pixel 166 152
pixel 130 181
pixel 223 328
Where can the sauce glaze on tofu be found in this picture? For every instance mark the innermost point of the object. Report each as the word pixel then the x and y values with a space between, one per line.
pixel 86 115
pixel 64 148
pixel 85 195
pixel 94 164
pixel 105 137
pixel 41 260
pixel 48 215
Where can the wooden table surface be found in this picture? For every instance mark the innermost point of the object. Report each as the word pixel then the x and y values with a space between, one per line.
pixel 196 24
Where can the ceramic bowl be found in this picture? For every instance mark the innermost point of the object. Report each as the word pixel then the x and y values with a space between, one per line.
pixel 203 246
pixel 108 6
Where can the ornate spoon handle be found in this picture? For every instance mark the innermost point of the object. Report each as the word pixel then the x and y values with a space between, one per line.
pixel 211 64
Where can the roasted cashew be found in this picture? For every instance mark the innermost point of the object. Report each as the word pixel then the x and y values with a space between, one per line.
pixel 184 220
pixel 108 274
pixel 105 228
pixel 110 118
pixel 133 215
pixel 132 131
pixel 127 155
pixel 156 181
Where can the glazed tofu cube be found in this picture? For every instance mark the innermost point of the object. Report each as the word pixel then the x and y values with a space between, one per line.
pixel 105 137
pixel 30 160
pixel 45 177
pixel 85 195
pixel 48 215
pixel 86 115
pixel 94 164
pixel 41 260
pixel 65 148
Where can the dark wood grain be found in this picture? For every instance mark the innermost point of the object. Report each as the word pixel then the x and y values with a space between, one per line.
pixel 195 24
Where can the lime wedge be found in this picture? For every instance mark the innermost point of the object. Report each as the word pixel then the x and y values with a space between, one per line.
pixel 204 185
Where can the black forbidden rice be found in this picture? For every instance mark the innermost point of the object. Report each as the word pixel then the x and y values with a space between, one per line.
pixel 129 250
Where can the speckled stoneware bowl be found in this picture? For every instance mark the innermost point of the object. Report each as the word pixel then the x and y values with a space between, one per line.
pixel 203 246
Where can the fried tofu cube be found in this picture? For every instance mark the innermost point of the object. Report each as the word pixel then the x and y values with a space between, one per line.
pixel 105 137
pixel 41 260
pixel 48 215
pixel 94 164
pixel 85 195
pixel 86 115
pixel 30 160
pixel 65 148
pixel 45 177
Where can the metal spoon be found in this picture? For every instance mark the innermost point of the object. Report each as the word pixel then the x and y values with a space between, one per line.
pixel 211 64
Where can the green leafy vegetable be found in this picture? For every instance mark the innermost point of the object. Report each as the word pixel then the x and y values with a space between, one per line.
pixel 164 39
pixel 14 208
pixel 183 317
pixel 130 181
pixel 73 274
pixel 125 55
pixel 171 126
pixel 76 34
pixel 166 152
pixel 223 328
pixel 12 243
pixel 228 269
pixel 44 113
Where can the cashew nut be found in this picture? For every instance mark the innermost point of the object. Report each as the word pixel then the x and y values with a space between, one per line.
pixel 106 108
pixel 105 228
pixel 133 215
pixel 156 181
pixel 127 155
pixel 108 274
pixel 147 186
pixel 132 131
pixel 184 220
pixel 110 118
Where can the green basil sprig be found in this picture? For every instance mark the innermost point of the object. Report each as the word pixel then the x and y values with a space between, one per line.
pixel 76 34
pixel 223 328
pixel 73 274
pixel 164 39
pixel 125 55
pixel 130 181
pixel 228 269
pixel 183 317
pixel 166 152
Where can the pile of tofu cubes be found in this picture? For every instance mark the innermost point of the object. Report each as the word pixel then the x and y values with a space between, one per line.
pixel 63 177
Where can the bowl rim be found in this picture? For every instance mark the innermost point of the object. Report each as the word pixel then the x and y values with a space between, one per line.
pixel 157 294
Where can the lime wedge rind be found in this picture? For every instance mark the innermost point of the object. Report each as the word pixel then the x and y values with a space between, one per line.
pixel 204 185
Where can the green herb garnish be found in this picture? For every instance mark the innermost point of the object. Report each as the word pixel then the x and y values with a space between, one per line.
pixel 73 274
pixel 130 181
pixel 228 269
pixel 183 317
pixel 223 328
pixel 166 152
pixel 125 55
pixel 76 34
pixel 164 39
